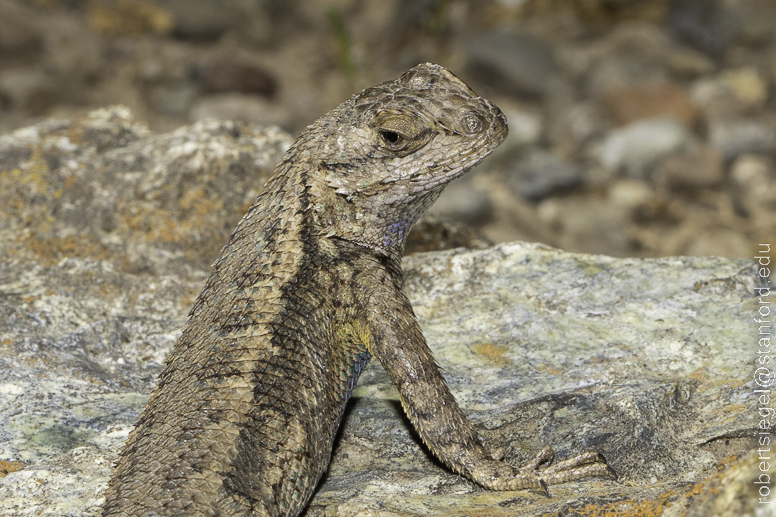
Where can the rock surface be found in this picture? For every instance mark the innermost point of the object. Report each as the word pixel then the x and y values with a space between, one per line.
pixel 648 361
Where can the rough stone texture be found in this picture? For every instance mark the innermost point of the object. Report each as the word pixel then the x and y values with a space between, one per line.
pixel 647 361
pixel 104 187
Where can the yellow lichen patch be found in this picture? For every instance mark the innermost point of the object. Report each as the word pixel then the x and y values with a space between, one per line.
pixel 201 204
pixel 6 342
pixel 493 352
pixel 52 250
pixel 6 467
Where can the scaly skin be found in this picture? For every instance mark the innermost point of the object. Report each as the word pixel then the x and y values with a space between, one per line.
pixel 307 290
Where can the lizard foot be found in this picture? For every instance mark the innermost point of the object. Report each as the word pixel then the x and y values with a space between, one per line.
pixel 500 476
pixel 587 464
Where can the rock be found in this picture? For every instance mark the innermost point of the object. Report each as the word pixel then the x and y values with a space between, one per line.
pixel 585 121
pixel 747 85
pixel 626 57
pixel 233 76
pixel 20 33
pixel 104 186
pixel 587 224
pixel 28 88
pixel 628 104
pixel 539 346
pixel 707 24
pixel 461 201
pixel 240 107
pixel 647 361
pixel 525 125
pixel 201 20
pixel 173 98
pixel 701 166
pixel 736 136
pixel 630 194
pixel 208 21
pixel 434 233
pixel 637 146
pixel 715 100
pixel 754 186
pixel 129 17
pixel 516 61
pixel 540 173
pixel 718 242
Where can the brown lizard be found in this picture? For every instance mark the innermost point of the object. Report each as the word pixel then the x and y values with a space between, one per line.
pixel 308 289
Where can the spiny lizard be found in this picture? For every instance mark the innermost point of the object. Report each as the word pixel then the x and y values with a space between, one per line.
pixel 308 289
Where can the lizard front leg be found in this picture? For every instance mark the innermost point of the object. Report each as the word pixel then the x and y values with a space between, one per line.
pixel 398 343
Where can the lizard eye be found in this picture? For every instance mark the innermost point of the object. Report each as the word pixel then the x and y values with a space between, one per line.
pixel 400 132
pixel 392 139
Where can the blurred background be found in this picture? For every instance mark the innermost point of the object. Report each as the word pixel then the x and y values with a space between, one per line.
pixel 637 127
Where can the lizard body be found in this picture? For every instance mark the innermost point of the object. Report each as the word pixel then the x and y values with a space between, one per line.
pixel 306 291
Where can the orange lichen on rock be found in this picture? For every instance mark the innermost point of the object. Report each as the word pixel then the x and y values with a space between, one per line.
pixel 6 467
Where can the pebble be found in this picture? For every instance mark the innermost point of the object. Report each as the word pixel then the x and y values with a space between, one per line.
pixel 629 193
pixel 233 76
pixel 523 63
pixel 20 36
pixel 702 166
pixel 540 173
pixel 627 105
pixel 754 185
pixel 463 202
pixel 639 145
pixel 707 24
pixel 738 136
pixel 747 85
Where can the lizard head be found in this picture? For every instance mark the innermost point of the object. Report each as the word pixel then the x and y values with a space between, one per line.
pixel 388 152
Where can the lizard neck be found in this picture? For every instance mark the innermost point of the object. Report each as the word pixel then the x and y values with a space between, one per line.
pixel 380 221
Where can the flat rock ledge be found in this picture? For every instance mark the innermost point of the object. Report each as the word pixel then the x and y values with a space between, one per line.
pixel 650 362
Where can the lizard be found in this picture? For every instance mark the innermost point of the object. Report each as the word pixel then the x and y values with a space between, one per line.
pixel 306 291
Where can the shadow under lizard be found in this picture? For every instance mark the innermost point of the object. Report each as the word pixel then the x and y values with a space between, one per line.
pixel 306 291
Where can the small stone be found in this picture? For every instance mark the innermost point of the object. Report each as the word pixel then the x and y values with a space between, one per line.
pixel 20 35
pixel 525 125
pixel 518 61
pixel 628 193
pixel 588 225
pixel 232 76
pixel 28 88
pixel 172 99
pixel 462 202
pixel 754 184
pixel 707 24
pixel 747 85
pixel 639 145
pixel 202 20
pixel 719 243
pixel 629 104
pixel 540 173
pixel 715 100
pixel 736 136
pixel 700 167
pixel 584 120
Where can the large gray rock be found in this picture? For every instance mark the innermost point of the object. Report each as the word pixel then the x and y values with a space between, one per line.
pixel 650 362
